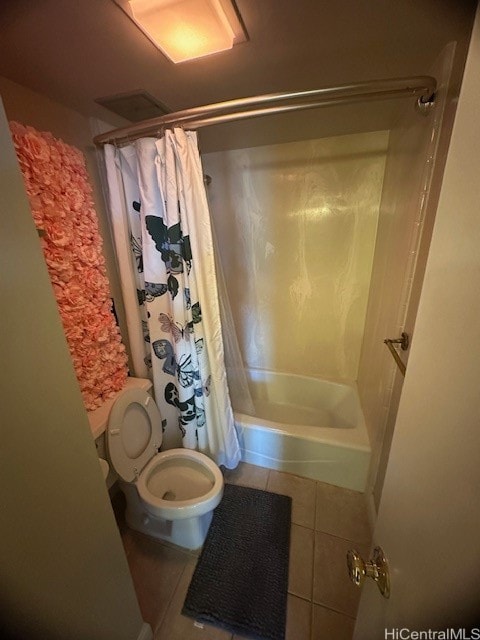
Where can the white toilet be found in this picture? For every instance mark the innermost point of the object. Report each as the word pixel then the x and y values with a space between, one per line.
pixel 170 495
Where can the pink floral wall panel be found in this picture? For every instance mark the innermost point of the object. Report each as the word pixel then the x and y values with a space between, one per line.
pixel 60 197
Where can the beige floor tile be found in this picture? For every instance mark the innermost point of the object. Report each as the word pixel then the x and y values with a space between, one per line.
pixel 247 475
pixel 299 618
pixel 331 584
pixel 300 576
pixel 330 625
pixel 175 626
pixel 342 513
pixel 155 570
pixel 302 492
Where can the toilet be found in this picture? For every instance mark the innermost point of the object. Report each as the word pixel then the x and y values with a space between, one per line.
pixel 170 495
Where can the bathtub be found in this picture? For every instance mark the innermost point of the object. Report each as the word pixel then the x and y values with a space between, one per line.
pixel 307 426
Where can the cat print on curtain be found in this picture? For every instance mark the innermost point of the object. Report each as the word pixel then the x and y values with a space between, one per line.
pixel 128 167
pixel 137 253
pixel 182 345
pixel 173 309
pixel 159 208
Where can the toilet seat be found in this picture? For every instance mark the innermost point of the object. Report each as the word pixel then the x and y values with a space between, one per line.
pixel 134 433
pixel 172 460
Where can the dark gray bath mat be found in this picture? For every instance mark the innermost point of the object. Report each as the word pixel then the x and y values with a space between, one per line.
pixel 240 582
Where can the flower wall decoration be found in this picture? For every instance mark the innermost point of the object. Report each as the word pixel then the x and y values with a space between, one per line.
pixel 60 197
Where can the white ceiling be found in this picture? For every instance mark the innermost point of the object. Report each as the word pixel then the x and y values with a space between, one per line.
pixel 77 50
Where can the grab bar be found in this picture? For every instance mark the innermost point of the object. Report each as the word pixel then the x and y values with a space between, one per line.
pixel 404 342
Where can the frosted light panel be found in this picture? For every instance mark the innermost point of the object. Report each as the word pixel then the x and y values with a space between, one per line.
pixel 184 29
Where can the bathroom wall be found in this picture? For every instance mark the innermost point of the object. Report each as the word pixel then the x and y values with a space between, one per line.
pixel 411 186
pixel 296 226
pixel 31 108
pixel 429 515
pixel 64 571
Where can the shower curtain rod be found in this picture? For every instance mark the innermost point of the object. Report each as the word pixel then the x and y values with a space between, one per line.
pixel 422 87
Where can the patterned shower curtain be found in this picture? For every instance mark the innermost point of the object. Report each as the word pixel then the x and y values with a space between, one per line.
pixel 164 247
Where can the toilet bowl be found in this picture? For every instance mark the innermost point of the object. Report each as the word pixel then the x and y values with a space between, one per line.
pixel 170 495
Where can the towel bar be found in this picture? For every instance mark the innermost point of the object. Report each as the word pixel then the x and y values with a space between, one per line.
pixel 404 342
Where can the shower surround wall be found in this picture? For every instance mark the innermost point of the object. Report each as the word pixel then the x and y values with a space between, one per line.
pixel 296 226
pixel 413 174
pixel 379 382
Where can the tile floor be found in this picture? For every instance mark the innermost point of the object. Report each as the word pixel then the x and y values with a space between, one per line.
pixel 322 603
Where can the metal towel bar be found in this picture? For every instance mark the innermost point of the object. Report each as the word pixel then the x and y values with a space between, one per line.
pixel 404 342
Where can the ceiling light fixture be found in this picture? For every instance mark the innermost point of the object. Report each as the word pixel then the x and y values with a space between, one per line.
pixel 187 29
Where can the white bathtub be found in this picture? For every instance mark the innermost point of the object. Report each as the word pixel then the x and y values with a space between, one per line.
pixel 307 426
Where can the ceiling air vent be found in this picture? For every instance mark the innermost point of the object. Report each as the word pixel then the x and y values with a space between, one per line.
pixel 135 106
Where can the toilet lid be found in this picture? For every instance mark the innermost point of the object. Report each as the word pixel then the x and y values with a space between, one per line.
pixel 134 432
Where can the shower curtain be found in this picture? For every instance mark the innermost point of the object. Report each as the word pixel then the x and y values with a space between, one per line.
pixel 163 239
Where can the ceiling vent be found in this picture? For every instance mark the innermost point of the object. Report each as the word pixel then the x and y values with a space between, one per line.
pixel 135 106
